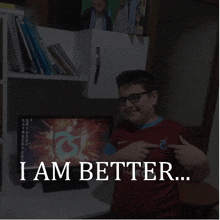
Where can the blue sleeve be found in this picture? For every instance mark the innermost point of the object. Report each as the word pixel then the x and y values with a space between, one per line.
pixel 109 149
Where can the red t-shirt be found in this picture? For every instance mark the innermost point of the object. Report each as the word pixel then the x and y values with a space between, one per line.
pixel 141 198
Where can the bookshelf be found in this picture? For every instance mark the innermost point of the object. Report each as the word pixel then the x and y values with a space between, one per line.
pixel 45 77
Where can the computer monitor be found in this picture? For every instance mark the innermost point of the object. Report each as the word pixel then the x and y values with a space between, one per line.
pixel 61 139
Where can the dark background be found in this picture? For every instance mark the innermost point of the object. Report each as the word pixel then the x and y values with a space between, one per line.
pixel 60 14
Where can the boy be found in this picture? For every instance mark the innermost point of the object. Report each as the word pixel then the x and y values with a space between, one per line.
pixel 146 137
pixel 97 16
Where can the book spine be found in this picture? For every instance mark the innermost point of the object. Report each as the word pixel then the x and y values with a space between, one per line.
pixel 32 50
pixel 56 66
pixel 59 67
pixel 50 62
pixel 60 60
pixel 12 58
pixel 36 45
pixel 57 60
pixel 63 53
pixel 15 42
pixel 26 46
pixel 53 63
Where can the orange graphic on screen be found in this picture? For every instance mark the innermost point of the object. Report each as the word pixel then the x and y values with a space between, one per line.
pixel 69 140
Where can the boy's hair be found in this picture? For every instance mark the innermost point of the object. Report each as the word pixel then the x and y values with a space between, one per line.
pixel 140 77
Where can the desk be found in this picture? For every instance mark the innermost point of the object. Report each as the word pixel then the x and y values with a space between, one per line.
pixel 33 203
pixel 22 203
pixel 199 198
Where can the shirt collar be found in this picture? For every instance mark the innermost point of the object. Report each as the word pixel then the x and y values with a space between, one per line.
pixel 149 124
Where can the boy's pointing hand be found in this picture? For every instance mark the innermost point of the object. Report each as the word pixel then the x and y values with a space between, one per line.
pixel 136 151
pixel 188 155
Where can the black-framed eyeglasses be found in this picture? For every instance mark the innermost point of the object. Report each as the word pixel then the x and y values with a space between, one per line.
pixel 133 98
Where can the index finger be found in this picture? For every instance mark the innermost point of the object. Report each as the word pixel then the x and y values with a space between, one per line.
pixel 174 146
pixel 148 145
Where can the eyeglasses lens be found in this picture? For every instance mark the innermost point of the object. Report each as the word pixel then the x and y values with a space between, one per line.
pixel 132 98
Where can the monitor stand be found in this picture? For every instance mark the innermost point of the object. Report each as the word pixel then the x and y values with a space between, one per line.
pixel 64 185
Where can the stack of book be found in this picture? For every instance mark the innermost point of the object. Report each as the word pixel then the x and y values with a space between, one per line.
pixel 28 53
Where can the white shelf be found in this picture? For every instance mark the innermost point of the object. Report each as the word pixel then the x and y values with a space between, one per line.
pixel 46 77
pixel 12 11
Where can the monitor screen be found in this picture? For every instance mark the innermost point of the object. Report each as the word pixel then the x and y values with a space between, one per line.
pixel 61 139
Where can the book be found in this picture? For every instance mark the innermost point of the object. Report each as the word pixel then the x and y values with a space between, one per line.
pixel 36 44
pixel 58 61
pixel 55 53
pixel 58 68
pixel 26 55
pixel 32 50
pixel 18 61
pixel 67 59
pixel 55 66
pixel 12 58
pixel 49 58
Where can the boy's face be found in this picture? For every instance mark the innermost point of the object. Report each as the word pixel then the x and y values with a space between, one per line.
pixel 141 107
pixel 99 5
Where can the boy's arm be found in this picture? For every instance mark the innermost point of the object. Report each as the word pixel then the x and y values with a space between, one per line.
pixel 110 158
pixel 133 152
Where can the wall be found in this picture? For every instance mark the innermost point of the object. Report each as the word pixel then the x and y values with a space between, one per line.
pixel 213 151
pixel 213 154
pixel 187 33
pixel 4 5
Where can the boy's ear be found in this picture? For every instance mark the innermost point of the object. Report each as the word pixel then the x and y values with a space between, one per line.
pixel 154 97
pixel 153 94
